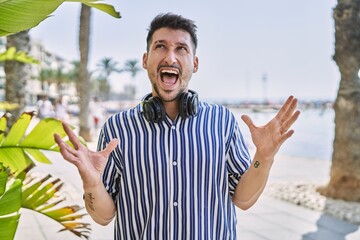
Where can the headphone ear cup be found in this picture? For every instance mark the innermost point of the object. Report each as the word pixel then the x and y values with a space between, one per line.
pixel 153 109
pixel 183 105
pixel 159 110
pixel 193 105
pixel 148 111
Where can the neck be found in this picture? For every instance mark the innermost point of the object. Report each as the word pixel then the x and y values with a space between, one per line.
pixel 172 109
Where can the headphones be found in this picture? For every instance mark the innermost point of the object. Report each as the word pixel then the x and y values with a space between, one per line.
pixel 154 110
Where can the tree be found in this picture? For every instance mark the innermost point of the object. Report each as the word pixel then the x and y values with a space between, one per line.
pixel 48 76
pixel 17 74
pixel 345 178
pixel 84 79
pixel 132 67
pixel 106 67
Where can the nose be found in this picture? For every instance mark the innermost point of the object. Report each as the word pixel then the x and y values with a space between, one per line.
pixel 170 58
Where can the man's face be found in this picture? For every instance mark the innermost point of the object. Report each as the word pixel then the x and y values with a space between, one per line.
pixel 170 63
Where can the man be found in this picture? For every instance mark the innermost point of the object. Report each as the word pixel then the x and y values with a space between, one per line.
pixel 173 167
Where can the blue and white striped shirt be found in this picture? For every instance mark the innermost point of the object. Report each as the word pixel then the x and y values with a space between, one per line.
pixel 175 179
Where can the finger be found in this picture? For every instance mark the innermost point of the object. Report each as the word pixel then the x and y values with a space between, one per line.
pixel 72 137
pixel 110 147
pixel 287 124
pixel 285 107
pixel 65 150
pixel 247 120
pixel 67 153
pixel 285 136
pixel 290 111
pixel 58 139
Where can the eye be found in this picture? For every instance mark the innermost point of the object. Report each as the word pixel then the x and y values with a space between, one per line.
pixel 182 49
pixel 159 46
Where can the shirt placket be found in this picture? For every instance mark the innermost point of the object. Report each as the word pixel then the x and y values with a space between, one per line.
pixel 174 181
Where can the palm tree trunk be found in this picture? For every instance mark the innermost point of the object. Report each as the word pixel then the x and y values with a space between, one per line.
pixel 345 169
pixel 17 74
pixel 84 79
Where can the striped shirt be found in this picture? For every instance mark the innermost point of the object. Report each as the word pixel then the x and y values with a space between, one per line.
pixel 175 179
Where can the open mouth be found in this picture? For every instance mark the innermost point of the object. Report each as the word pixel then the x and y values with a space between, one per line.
pixel 169 76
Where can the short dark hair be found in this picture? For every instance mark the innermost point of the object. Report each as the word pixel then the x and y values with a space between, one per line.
pixel 172 21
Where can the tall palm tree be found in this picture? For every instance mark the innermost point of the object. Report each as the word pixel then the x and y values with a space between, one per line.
pixel 105 67
pixel 17 74
pixel 345 169
pixel 84 79
pixel 132 67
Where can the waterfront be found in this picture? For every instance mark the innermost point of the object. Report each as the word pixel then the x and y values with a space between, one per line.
pixel 313 137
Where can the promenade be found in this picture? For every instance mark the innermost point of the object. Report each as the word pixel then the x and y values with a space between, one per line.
pixel 269 219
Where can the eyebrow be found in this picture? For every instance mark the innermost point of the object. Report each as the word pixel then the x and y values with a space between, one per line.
pixel 177 43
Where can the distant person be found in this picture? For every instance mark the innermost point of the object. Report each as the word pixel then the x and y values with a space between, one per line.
pixel 61 109
pixel 44 107
pixel 174 167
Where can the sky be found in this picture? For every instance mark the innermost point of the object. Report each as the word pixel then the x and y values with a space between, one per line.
pixel 248 50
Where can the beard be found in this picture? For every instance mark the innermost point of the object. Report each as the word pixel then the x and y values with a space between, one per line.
pixel 168 96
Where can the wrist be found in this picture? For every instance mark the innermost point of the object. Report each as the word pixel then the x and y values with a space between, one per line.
pixel 260 161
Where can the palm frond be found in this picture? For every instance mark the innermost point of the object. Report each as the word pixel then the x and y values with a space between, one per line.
pixel 10 203
pixel 20 15
pixel 19 148
pixel 43 195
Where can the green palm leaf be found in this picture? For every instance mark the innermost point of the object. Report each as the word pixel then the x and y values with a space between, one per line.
pixel 10 203
pixel 20 15
pixel 20 56
pixel 18 151
pixel 42 194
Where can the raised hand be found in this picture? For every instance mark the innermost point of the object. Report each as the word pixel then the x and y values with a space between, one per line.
pixel 269 138
pixel 90 164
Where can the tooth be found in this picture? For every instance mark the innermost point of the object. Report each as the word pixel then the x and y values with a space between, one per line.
pixel 169 71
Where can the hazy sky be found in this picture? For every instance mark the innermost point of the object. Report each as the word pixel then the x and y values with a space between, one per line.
pixel 291 42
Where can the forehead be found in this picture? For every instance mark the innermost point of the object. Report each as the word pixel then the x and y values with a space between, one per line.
pixel 171 36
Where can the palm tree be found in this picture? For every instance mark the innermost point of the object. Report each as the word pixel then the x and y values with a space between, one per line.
pixel 132 67
pixel 106 67
pixel 345 178
pixel 84 79
pixel 17 74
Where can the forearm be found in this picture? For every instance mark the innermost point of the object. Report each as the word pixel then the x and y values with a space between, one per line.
pixel 252 183
pixel 99 204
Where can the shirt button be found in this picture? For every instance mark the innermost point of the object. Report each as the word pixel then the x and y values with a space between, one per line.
pixel 173 127
pixel 175 204
pixel 174 163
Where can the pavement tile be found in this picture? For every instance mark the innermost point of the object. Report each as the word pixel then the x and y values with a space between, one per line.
pixel 250 235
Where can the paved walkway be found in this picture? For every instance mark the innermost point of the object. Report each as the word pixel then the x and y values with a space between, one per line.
pixel 269 219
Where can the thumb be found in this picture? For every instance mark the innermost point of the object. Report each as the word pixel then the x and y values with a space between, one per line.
pixel 111 146
pixel 247 120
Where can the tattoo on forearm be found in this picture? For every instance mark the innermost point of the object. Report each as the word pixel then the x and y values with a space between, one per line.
pixel 256 164
pixel 91 201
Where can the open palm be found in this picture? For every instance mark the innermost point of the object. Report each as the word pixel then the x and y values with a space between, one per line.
pixel 269 138
pixel 89 163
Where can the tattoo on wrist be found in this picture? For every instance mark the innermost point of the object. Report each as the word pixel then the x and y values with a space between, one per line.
pixel 90 201
pixel 256 164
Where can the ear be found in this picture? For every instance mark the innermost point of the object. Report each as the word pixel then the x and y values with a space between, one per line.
pixel 196 64
pixel 144 60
